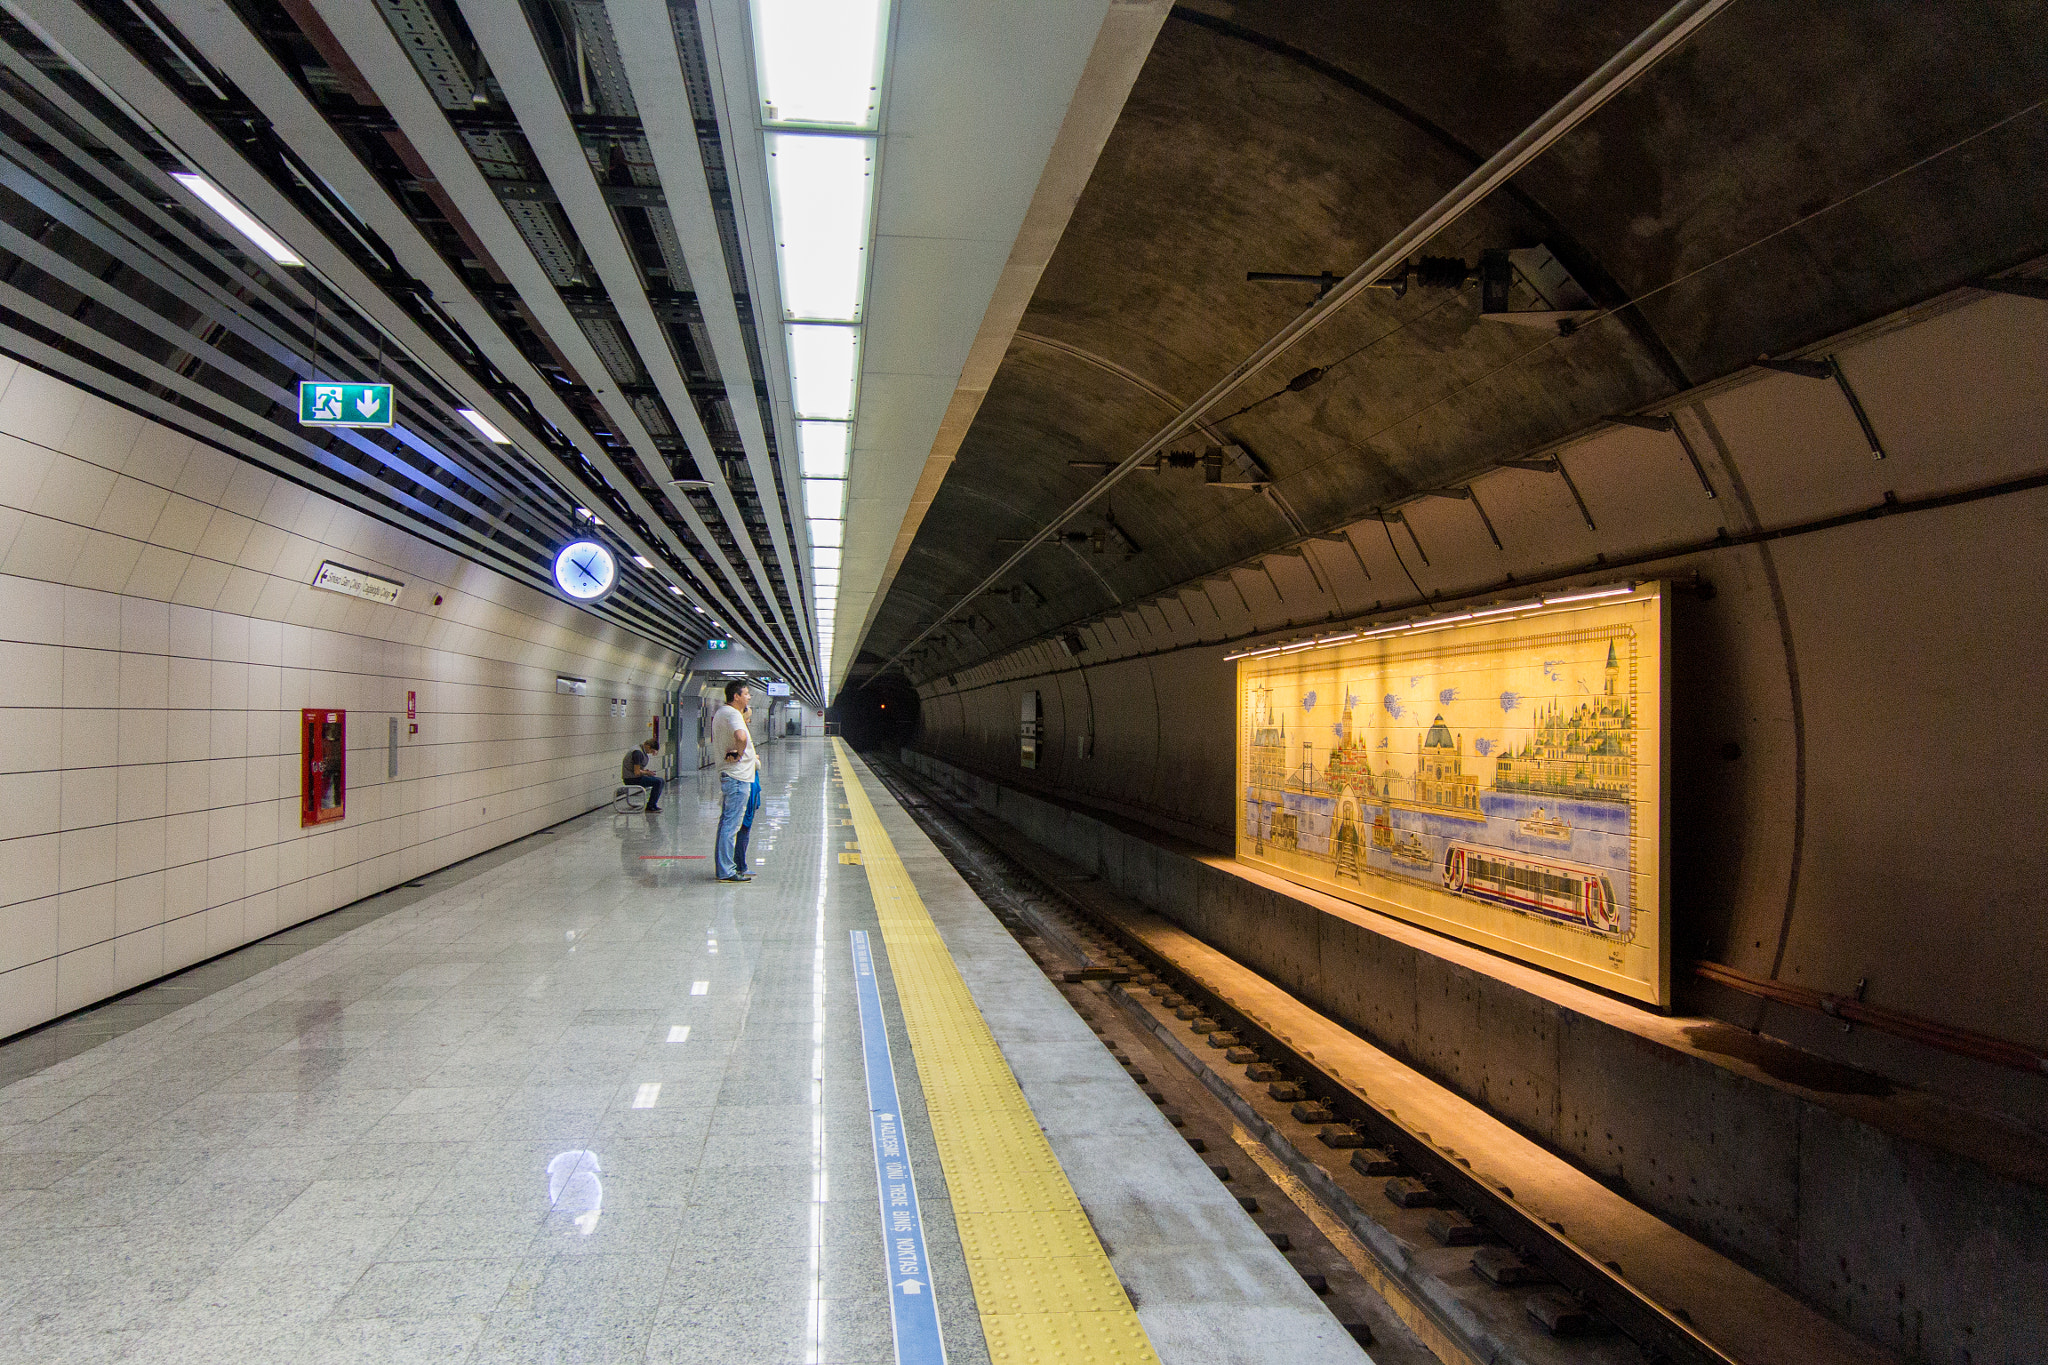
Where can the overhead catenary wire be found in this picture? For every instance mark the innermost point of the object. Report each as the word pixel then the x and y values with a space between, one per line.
pixel 1309 378
pixel 1721 260
pixel 1669 32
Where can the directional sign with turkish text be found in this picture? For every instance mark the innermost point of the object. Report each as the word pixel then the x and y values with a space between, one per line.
pixel 330 404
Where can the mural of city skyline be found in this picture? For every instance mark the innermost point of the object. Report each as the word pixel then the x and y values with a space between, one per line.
pixel 1501 781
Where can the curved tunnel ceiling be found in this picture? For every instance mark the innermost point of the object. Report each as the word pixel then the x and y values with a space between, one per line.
pixel 1793 171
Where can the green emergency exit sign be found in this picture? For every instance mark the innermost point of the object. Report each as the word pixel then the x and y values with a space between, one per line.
pixel 323 404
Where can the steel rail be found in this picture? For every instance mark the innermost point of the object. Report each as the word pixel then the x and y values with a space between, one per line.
pixel 1654 43
pixel 1655 1327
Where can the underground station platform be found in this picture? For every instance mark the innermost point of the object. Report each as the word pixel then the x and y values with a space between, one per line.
pixel 1044 682
pixel 920 1090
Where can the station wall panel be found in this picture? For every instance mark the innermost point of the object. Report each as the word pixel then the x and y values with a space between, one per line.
pixel 157 640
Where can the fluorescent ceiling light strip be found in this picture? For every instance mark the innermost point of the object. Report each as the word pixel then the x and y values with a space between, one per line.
pixel 821 190
pixel 822 448
pixel 820 61
pixel 237 217
pixel 824 497
pixel 827 530
pixel 825 556
pixel 821 370
pixel 496 437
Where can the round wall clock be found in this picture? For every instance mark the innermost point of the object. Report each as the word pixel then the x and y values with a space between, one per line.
pixel 585 570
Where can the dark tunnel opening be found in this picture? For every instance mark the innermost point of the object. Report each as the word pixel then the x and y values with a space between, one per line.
pixel 879 714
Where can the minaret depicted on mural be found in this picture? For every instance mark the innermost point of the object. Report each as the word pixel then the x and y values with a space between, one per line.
pixel 1588 754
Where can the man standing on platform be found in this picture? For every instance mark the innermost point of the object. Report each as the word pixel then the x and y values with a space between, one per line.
pixel 737 765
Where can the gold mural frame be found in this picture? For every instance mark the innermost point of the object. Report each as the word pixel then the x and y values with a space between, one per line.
pixel 1560 860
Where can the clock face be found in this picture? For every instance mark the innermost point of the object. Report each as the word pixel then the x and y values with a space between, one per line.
pixel 585 570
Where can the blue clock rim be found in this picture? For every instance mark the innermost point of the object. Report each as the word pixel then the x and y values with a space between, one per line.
pixel 611 560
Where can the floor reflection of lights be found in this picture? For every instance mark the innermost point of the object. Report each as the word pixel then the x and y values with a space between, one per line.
pixel 814 1327
pixel 574 1188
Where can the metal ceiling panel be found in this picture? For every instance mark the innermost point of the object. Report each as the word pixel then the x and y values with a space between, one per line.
pixel 522 72
pixel 649 49
pixel 94 49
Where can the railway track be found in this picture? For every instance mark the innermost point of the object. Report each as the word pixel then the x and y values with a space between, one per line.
pixel 1469 1271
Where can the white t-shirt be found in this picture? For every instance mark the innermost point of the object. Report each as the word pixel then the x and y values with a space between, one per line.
pixel 729 733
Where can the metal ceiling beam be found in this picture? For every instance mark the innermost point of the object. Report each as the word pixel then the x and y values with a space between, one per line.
pixel 54 192
pixel 647 42
pixel 725 29
pixel 244 59
pixel 78 35
pixel 362 32
pixel 510 46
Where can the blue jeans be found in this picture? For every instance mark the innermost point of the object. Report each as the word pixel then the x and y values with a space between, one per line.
pixel 739 845
pixel 733 793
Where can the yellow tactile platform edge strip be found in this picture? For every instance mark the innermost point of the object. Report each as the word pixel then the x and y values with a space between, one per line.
pixel 1042 1285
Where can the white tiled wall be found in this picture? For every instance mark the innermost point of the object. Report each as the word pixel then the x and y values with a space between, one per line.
pixel 157 640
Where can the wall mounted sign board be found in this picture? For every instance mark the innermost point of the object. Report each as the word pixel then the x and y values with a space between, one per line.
pixel 333 577
pixel 1030 730
pixel 575 686
pixel 585 570
pixel 1501 780
pixel 326 403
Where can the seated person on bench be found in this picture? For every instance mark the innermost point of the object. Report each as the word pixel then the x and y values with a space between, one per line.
pixel 635 772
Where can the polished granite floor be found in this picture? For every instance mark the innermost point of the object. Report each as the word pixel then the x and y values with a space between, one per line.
pixel 575 1103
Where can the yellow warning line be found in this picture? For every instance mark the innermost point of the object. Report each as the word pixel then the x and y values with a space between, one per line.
pixel 1043 1286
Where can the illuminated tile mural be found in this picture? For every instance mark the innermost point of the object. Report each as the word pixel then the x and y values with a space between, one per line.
pixel 1499 778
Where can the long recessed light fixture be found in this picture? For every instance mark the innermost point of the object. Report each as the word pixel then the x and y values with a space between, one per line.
pixel 824 498
pixel 820 61
pixel 821 187
pixel 819 67
pixel 237 217
pixel 822 448
pixel 821 369
pixel 486 430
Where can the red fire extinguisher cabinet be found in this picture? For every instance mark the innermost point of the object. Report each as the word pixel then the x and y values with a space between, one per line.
pixel 323 766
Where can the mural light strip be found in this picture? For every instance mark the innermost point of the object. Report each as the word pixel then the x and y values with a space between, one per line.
pixel 1435 623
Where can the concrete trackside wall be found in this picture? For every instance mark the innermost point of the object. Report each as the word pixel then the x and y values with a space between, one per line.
pixel 157 641
pixel 1912 1223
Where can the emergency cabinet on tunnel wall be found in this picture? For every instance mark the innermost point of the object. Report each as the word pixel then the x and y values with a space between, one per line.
pixel 323 766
